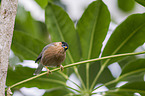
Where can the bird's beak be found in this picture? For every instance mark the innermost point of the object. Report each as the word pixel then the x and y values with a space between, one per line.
pixel 65 47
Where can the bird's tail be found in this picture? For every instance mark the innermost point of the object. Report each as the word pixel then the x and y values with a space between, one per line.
pixel 38 70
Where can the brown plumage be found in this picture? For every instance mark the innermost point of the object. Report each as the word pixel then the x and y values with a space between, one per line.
pixel 52 55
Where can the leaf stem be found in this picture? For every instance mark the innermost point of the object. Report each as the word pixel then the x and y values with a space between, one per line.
pixel 87 75
pixel 99 73
pixel 79 77
pixel 67 78
pixel 96 78
pixel 78 63
pixel 76 70
pixel 60 82
pixel 106 84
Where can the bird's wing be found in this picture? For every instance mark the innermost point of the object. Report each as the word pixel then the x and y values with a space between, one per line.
pixel 38 58
pixel 40 55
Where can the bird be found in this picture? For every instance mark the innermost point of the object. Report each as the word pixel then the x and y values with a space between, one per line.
pixel 52 55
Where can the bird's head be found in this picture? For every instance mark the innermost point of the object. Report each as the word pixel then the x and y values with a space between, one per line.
pixel 65 45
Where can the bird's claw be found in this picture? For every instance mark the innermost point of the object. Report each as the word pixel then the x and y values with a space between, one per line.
pixel 48 71
pixel 61 68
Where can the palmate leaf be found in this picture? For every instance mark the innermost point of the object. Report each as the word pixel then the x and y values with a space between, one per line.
pixel 126 37
pixel 92 28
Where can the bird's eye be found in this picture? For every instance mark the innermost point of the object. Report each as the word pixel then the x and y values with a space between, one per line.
pixel 63 44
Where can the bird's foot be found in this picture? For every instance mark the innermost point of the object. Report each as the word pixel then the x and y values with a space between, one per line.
pixel 48 71
pixel 61 68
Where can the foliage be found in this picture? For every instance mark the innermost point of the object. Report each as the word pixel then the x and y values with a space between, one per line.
pixel 127 6
pixel 85 41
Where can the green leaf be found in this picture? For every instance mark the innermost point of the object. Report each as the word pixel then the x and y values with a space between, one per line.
pixel 128 89
pixel 136 65
pixel 134 86
pixel 94 69
pixel 120 93
pixel 44 82
pixel 61 28
pixel 92 28
pixel 25 22
pixel 62 91
pixel 126 37
pixel 126 5
pixel 134 71
pixel 42 3
pixel 25 46
pixel 126 60
pixel 142 2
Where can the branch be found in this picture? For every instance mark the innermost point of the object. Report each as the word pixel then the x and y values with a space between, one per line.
pixel 7 20
pixel 78 63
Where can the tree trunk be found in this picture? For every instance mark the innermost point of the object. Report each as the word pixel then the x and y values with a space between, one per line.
pixel 7 21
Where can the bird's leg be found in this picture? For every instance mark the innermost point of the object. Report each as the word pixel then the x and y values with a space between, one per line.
pixel 61 68
pixel 48 71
